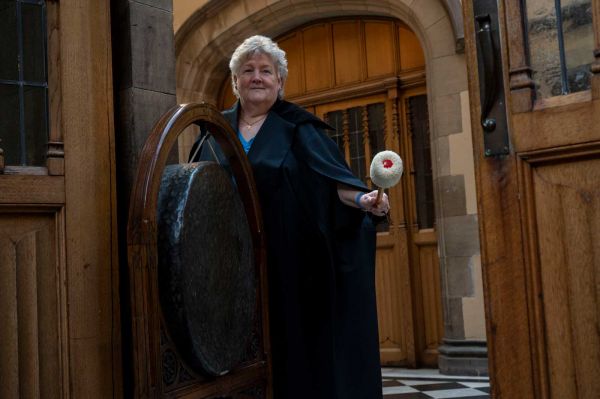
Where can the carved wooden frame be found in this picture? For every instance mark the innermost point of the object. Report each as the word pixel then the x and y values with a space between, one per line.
pixel 142 255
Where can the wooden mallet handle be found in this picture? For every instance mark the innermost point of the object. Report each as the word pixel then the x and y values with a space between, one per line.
pixel 379 196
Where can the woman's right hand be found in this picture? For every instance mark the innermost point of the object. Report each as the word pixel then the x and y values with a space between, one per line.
pixel 367 203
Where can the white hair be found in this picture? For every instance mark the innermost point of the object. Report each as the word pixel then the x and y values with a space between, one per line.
pixel 258 45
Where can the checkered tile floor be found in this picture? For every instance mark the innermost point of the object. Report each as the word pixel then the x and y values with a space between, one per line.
pixel 427 384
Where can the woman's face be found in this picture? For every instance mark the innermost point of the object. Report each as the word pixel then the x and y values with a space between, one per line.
pixel 258 81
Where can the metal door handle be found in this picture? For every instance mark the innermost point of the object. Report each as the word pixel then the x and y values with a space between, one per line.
pixel 488 52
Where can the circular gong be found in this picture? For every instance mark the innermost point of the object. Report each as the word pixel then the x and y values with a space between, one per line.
pixel 207 279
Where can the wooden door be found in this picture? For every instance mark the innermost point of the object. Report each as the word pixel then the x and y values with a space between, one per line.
pixel 407 272
pixel 415 147
pixel 539 196
pixel 59 302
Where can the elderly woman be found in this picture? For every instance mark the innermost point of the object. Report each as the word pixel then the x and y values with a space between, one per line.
pixel 320 237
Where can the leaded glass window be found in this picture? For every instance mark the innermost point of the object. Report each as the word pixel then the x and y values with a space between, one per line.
pixel 421 152
pixel 360 134
pixel 350 137
pixel 561 45
pixel 23 82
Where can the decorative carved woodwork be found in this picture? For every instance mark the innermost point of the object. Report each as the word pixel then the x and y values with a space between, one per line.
pixel 520 81
pixel 56 158
pixel 33 300
pixel 158 368
pixel 346 134
pixel 55 155
pixel 405 80
pixel 394 132
pixel 365 138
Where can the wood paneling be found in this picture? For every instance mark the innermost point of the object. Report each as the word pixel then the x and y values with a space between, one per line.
pixel 394 302
pixel 55 161
pixel 411 53
pixel 567 119
pixel 227 101
pixel 355 57
pixel 427 296
pixel 28 189
pixel 564 199
pixel 380 49
pixel 292 46
pixel 30 292
pixel 347 54
pixel 318 58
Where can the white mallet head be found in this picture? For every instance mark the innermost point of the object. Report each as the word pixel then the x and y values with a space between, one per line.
pixel 386 169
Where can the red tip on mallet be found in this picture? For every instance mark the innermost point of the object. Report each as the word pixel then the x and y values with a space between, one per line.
pixel 386 171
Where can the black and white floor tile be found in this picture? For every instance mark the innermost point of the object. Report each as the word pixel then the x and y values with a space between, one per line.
pixel 428 384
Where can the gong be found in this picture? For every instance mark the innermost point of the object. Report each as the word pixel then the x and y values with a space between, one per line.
pixel 207 279
pixel 197 268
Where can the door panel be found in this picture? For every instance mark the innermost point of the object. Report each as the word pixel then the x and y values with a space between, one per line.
pixel 567 214
pixel 427 296
pixel 31 294
pixel 540 204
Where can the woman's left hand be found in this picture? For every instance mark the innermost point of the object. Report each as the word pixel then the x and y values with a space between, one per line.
pixel 367 203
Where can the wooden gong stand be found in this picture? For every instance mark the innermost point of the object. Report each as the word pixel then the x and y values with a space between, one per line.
pixel 252 380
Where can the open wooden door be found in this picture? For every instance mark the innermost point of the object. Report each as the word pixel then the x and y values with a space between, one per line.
pixel 537 157
pixel 59 298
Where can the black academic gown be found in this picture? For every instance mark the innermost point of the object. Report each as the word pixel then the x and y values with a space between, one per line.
pixel 321 255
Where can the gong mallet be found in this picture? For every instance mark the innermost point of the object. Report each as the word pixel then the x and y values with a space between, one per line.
pixel 386 171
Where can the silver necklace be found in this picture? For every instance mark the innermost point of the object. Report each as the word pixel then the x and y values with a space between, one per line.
pixel 250 125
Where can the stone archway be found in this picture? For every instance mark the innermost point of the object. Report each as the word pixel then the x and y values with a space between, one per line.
pixel 206 40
